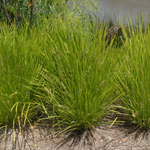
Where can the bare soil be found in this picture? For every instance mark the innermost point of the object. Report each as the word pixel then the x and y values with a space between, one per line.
pixel 118 137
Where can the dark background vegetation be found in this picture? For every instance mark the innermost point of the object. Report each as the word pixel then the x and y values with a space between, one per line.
pixel 23 11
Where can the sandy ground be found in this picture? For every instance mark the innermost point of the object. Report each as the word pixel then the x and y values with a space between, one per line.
pixel 103 138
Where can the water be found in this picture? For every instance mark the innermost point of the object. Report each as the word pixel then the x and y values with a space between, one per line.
pixel 112 9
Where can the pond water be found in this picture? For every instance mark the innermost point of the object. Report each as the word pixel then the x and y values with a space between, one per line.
pixel 112 9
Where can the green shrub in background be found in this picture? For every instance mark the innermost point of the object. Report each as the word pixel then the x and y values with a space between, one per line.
pixel 33 11
pixel 22 11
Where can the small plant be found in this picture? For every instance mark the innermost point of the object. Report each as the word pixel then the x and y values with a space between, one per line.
pixel 35 145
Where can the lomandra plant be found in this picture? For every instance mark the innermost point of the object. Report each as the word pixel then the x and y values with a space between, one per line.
pixel 18 66
pixel 78 69
pixel 133 80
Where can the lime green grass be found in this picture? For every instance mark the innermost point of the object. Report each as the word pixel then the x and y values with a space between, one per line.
pixel 18 67
pixel 133 77
pixel 78 74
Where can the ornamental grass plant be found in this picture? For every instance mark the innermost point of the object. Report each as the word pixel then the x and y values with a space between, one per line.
pixel 133 77
pixel 78 73
pixel 18 67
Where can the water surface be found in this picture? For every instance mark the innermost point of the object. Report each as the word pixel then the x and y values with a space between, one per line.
pixel 115 8
pixel 112 9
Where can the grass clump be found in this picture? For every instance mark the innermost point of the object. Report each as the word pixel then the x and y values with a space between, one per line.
pixel 133 79
pixel 18 66
pixel 78 75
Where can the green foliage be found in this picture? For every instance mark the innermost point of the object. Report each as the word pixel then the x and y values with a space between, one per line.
pixel 31 12
pixel 18 67
pixel 22 11
pixel 133 79
pixel 20 62
pixel 64 67
pixel 78 74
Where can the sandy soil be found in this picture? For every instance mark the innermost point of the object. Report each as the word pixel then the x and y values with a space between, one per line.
pixel 103 138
